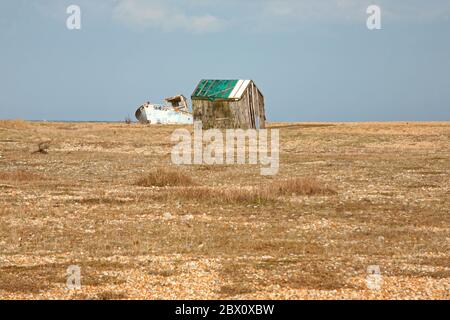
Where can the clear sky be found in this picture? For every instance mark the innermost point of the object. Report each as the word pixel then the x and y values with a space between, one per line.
pixel 314 60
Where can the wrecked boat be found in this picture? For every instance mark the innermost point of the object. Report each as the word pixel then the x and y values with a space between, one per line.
pixel 175 113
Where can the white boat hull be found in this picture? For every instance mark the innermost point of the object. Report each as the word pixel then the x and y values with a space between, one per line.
pixel 155 115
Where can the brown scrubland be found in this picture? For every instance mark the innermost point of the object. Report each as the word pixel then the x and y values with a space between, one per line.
pixel 106 197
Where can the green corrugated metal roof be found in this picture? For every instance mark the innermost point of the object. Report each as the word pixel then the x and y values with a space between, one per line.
pixel 214 89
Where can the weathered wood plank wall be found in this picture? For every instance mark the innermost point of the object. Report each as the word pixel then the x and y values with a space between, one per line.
pixel 246 113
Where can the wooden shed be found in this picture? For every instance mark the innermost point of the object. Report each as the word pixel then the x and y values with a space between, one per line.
pixel 228 104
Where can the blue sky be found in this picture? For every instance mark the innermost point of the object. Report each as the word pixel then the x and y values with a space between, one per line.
pixel 313 60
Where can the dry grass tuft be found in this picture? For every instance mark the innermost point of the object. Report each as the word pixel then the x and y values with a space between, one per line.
pixel 19 175
pixel 13 124
pixel 299 186
pixel 162 177
pixel 235 289
pixel 229 195
pixel 253 195
pixel 31 279
pixel 111 295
